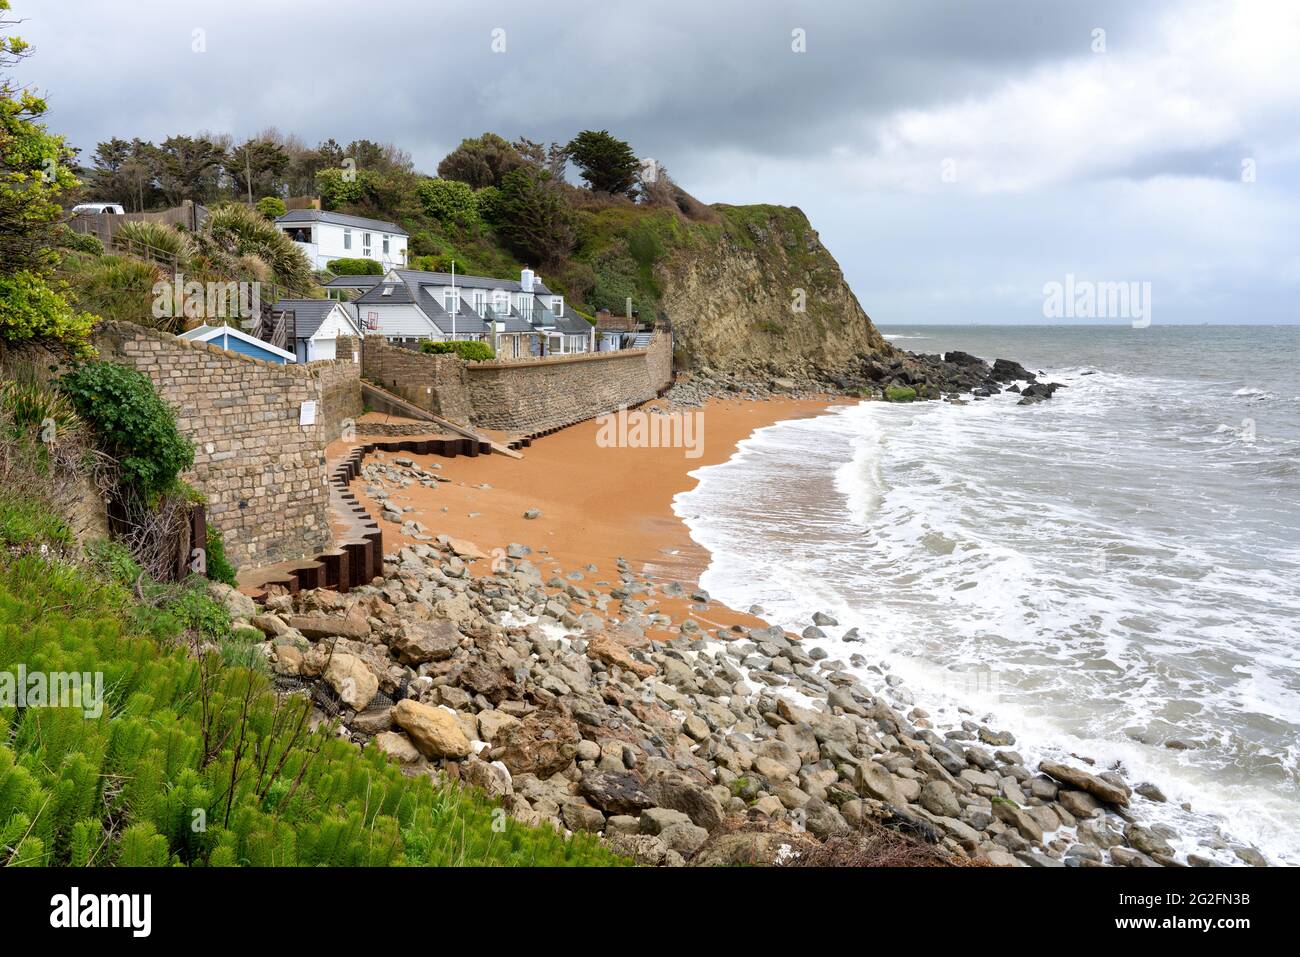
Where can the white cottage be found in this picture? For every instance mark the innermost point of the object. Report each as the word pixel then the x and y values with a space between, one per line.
pixel 517 318
pixel 325 236
pixel 318 323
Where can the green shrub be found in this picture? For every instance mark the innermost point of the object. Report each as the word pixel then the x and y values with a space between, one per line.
pixel 356 267
pixel 117 288
pixel 219 568
pixel 150 240
pixel 271 206
pixel 87 243
pixel 132 424
pixel 469 351
pixel 30 308
pixel 450 201
pixel 241 231
pixel 488 203
pixel 181 740
pixel 27 521
pixel 900 393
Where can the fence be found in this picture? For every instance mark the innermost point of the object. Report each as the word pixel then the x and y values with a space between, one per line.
pixel 105 225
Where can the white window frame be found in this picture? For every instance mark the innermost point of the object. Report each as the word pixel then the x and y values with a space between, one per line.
pixel 526 307
pixel 557 305
pixel 385 243
pixel 480 301
pixel 347 238
pixel 365 245
pixel 451 302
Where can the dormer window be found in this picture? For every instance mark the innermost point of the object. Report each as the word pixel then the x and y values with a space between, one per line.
pixel 526 306
pixel 501 302
pixel 449 300
pixel 347 238
pixel 557 305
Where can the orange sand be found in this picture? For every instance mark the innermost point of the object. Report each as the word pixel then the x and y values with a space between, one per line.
pixel 596 503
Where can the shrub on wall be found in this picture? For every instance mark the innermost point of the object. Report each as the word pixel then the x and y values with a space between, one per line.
pixel 470 351
pixel 131 423
pixel 356 267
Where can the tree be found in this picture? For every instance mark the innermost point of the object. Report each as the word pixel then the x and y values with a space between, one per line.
pixel 35 170
pixel 481 161
pixel 553 158
pixel 450 201
pixel 189 168
pixel 534 218
pixel 607 164
pixel 258 167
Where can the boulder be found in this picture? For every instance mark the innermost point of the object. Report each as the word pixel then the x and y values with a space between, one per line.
pixel 423 641
pixel 873 780
pixel 1094 785
pixel 614 792
pixel 354 683
pixel 679 793
pixel 397 746
pixel 435 731
pixel 605 649
pixel 238 605
pixel 316 627
pixel 542 743
pixel 939 798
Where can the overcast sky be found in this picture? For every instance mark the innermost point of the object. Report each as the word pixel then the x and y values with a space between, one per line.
pixel 955 155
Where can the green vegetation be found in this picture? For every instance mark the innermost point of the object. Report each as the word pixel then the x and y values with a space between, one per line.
pixel 271 206
pixel 481 161
pixel 159 241
pixel 469 351
pixel 132 424
pixel 900 393
pixel 35 174
pixel 356 267
pixel 219 567
pixel 607 164
pixel 195 761
pixel 450 201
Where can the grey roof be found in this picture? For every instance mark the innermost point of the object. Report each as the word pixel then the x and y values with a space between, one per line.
pixel 341 219
pixel 570 324
pixel 416 277
pixel 466 321
pixel 308 314
pixel 401 293
pixel 353 282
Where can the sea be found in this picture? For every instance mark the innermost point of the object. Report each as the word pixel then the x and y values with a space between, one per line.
pixel 1113 575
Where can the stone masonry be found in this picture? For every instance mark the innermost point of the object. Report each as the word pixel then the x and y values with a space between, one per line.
pixel 261 470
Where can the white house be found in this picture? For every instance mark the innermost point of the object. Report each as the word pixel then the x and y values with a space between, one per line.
pixel 517 318
pixel 317 325
pixel 325 236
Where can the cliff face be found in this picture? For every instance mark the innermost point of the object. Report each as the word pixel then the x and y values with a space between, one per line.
pixel 758 293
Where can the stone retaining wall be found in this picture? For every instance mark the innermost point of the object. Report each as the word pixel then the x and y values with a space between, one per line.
pixel 261 470
pixel 437 384
pixel 530 396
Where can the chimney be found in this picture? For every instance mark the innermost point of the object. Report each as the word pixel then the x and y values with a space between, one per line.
pixel 526 279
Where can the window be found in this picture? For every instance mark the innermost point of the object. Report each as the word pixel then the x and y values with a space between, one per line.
pixel 557 305
pixel 365 244
pixel 480 302
pixel 385 244
pixel 347 238
pixel 449 300
pixel 501 302
pixel 526 307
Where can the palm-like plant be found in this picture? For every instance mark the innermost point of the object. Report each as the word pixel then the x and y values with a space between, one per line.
pixel 157 241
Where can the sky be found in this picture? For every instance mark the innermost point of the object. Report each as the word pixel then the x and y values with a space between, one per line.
pixel 957 157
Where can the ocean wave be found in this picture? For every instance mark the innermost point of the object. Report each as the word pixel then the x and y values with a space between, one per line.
pixel 1041 551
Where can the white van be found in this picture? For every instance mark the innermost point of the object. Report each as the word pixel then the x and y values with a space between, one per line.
pixel 112 208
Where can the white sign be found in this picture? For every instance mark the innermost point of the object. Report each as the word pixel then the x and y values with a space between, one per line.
pixel 307 415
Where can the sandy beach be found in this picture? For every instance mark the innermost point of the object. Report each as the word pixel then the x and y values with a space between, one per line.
pixel 596 503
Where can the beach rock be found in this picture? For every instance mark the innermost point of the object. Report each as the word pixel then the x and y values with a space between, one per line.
pixel 1004 370
pixel 434 731
pixel 938 797
pixel 1094 785
pixel 1027 827
pixel 615 792
pixel 679 793
pixel 238 605
pixel 532 513
pixel 656 819
pixel 397 746
pixel 543 743
pixel 423 641
pixel 874 781
pixel 605 649
pixel 351 680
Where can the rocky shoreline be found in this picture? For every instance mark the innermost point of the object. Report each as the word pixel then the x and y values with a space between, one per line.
pixel 724 747
pixel 951 376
